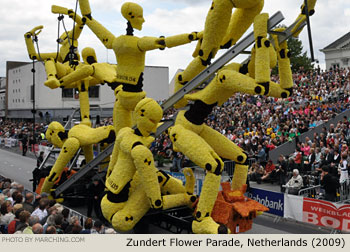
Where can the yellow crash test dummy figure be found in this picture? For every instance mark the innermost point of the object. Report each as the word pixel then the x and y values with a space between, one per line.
pixel 202 144
pixel 79 136
pixel 135 184
pixel 223 30
pixel 58 64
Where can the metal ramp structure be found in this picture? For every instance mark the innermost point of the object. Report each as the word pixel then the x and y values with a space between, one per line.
pixel 231 53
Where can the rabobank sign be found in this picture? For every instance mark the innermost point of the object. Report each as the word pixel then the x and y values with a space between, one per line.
pixel 273 200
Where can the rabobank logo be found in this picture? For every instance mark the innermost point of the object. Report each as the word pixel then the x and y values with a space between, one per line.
pixel 273 200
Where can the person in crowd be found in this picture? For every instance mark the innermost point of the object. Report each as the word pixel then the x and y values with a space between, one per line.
pixel 41 211
pixel 23 221
pixel 50 230
pixel 28 202
pixel 270 172
pixel 98 228
pixel 37 228
pixel 295 183
pixel 95 190
pixel 6 213
pixel 87 226
pixel 256 172
pixel 17 209
pixel 31 222
pixel 329 183
pixel 343 169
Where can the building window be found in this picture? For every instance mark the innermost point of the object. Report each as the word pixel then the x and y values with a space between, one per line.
pixel 94 92
pixel 67 93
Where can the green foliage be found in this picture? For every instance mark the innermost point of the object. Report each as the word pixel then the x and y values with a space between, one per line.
pixel 298 59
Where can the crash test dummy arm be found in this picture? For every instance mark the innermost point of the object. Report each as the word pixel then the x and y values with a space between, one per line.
pixel 302 16
pixel 31 36
pixel 69 12
pixel 100 31
pixel 151 43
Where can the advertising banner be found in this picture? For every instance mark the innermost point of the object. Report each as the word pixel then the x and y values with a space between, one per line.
pixel 326 214
pixel 273 200
pixel 293 207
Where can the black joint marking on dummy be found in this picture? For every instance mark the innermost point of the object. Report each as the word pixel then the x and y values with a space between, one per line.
pixel 258 43
pixel 130 13
pixel 34 57
pixel 28 35
pixel 208 167
pixel 90 60
pixel 218 169
pixel 223 78
pixel 246 162
pixel 160 179
pixel 167 177
pixel 207 214
pixel 208 61
pixel 227 45
pixel 129 29
pixel 198 214
pixel 198 112
pixel 33 70
pixel 243 69
pixel 127 218
pixel 284 95
pixel 201 53
pixel 289 54
pixel 56 76
pixel 162 43
pixel 62 135
pixel 122 196
pixel 86 116
pixel 146 161
pixel 137 132
pixel 266 85
pixel 311 12
pixel 110 138
pixel 50 74
pixel 174 137
pixel 283 53
pixel 193 198
pixel 113 85
pixel 240 158
pixel 222 229
pixel 267 43
pixel 190 37
pixel 61 81
pixel 70 12
pixel 52 177
pixel 179 77
pixel 168 193
pixel 212 6
pixel 89 16
pixel 158 203
pixel 82 88
pixel 290 90
pixel 65 150
pixel 136 144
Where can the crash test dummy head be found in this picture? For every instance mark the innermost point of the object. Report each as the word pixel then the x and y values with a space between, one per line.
pixel 89 55
pixel 148 114
pixel 56 134
pixel 134 14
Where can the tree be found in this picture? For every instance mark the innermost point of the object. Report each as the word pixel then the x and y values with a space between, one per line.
pixel 298 59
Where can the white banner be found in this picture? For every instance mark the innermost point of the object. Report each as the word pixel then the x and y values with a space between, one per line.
pixel 293 207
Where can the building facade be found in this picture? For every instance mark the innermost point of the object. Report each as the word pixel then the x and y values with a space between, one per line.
pixel 337 54
pixel 56 104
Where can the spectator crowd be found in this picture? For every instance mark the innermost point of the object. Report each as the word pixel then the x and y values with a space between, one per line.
pixel 24 213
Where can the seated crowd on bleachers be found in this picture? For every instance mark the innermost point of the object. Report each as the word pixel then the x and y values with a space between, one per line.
pixel 23 213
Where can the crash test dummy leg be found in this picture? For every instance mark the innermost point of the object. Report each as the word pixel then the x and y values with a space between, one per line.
pixel 69 148
pixel 193 146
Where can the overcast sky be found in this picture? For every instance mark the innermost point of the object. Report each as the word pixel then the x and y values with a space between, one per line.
pixel 163 17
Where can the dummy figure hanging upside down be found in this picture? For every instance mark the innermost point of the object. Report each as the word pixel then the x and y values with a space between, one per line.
pixel 130 54
pixel 223 30
pixel 79 136
pixel 135 184
pixel 202 144
pixel 58 64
